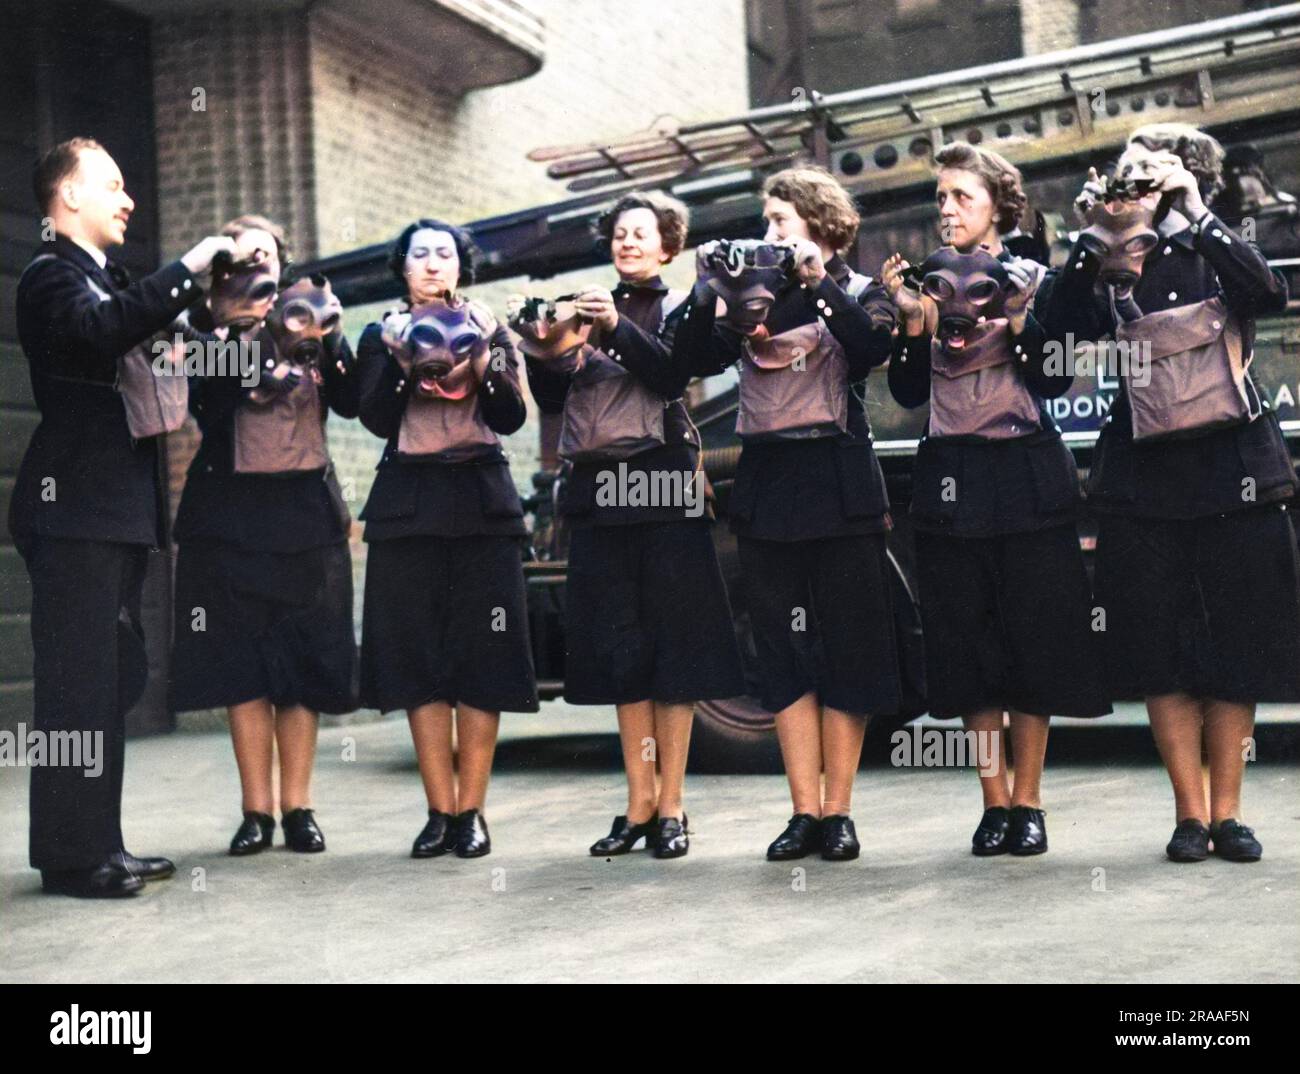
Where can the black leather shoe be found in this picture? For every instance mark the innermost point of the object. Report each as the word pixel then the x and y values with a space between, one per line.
pixel 301 832
pixel 1235 842
pixel 254 834
pixel 145 868
pixel 437 837
pixel 623 836
pixel 472 839
pixel 839 838
pixel 1190 841
pixel 670 840
pixel 107 881
pixel 801 837
pixel 1028 834
pixel 991 836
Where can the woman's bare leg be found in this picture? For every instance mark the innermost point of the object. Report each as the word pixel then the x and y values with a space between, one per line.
pixel 295 735
pixel 252 731
pixel 799 729
pixel 636 735
pixel 431 733
pixel 1176 723
pixel 476 742
pixel 672 724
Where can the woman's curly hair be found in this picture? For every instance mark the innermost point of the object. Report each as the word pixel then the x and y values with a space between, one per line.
pixel 822 203
pixel 1201 153
pixel 672 216
pixel 1001 178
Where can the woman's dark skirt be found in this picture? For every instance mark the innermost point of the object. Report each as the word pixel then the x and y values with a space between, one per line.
pixel 1207 606
pixel 264 624
pixel 823 622
pixel 1008 624
pixel 446 619
pixel 647 616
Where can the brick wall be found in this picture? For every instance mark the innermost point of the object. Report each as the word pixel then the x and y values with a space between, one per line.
pixel 343 139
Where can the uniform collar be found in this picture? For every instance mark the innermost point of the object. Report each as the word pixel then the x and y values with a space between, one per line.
pixel 655 283
pixel 838 269
pixel 71 250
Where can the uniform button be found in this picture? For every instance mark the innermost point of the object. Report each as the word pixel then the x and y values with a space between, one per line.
pixel 1227 238
pixel 490 388
pixel 1173 295
pixel 1217 325
pixel 270 363
pixel 1169 249
pixel 902 357
pixel 1024 357
pixel 1217 233
pixel 175 292
pixel 339 365
pixel 187 285
pixel 1079 263
pixel 1018 348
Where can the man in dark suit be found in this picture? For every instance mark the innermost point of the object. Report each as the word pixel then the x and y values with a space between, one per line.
pixel 87 507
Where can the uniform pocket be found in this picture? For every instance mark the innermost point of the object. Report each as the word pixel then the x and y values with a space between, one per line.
pixel 862 484
pixel 393 495
pixel 1264 454
pixel 1056 480
pixel 937 482
pixel 498 497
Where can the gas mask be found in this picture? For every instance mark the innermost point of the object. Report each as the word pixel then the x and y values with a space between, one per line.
pixel 307 312
pixel 440 341
pixel 969 289
pixel 1119 234
pixel 243 292
pixel 746 274
pixel 549 329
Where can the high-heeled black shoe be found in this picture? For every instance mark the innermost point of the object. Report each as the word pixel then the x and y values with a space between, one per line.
pixel 437 837
pixel 301 832
pixel 671 840
pixel 991 836
pixel 472 839
pixel 801 837
pixel 254 834
pixel 839 838
pixel 623 837
pixel 1028 834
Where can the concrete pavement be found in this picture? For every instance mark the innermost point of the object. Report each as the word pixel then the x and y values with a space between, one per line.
pixel 1102 905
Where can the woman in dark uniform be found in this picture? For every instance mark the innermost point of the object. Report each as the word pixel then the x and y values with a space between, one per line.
pixel 1197 570
pixel 445 623
pixel 1005 600
pixel 648 624
pixel 810 510
pixel 263 575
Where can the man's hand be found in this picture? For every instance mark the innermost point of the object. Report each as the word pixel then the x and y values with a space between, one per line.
pixel 199 259
pixel 597 304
